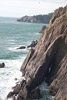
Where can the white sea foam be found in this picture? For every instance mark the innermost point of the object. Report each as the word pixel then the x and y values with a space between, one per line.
pixel 11 40
pixel 8 75
pixel 43 86
pixel 37 33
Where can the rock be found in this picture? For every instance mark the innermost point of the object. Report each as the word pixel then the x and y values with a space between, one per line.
pixel 16 79
pixel 30 54
pixel 53 90
pixel 10 94
pixel 33 44
pixel 42 30
pixel 2 65
pixel 35 94
pixel 22 47
pixel 48 60
pixel 17 89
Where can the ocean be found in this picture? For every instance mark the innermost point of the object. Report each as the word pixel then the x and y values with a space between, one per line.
pixel 13 35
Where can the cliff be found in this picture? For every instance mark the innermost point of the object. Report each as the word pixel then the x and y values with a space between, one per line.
pixel 36 19
pixel 47 61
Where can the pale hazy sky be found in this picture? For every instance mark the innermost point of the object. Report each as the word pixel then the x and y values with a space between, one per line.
pixel 19 8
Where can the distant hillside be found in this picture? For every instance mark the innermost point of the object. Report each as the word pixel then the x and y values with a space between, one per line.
pixel 36 19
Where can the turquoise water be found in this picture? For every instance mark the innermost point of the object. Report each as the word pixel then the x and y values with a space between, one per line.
pixel 12 35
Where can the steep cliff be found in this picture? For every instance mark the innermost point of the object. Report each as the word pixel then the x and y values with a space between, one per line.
pixel 36 19
pixel 48 61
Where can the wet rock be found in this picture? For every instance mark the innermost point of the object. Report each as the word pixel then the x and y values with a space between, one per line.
pixel 16 79
pixel 10 94
pixel 17 88
pixel 35 94
pixel 33 44
pixel 22 47
pixel 2 65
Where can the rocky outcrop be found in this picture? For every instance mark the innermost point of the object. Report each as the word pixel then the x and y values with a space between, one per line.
pixel 36 19
pixel 2 65
pixel 48 60
pixel 33 44
pixel 42 30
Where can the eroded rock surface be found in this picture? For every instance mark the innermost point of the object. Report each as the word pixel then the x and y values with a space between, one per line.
pixel 42 30
pixel 33 44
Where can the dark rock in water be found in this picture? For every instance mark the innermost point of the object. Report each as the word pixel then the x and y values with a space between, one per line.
pixel 16 79
pixel 48 60
pixel 42 30
pixel 2 65
pixel 33 44
pixel 22 47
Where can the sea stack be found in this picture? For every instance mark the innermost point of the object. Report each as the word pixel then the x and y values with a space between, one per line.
pixel 48 60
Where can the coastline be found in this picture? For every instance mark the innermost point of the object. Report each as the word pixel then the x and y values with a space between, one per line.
pixel 46 61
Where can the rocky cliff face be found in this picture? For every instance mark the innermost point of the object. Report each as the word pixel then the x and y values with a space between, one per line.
pixel 48 61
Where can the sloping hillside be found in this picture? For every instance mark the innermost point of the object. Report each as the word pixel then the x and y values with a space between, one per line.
pixel 36 19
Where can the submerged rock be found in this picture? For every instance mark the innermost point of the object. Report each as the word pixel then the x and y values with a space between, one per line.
pixel 48 60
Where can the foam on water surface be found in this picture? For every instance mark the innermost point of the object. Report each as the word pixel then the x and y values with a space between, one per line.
pixel 12 36
pixel 8 75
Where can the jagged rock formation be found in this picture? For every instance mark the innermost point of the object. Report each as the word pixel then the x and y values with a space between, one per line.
pixel 33 44
pixel 36 19
pixel 48 60
pixel 42 30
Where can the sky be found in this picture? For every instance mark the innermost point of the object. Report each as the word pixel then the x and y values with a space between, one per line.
pixel 19 8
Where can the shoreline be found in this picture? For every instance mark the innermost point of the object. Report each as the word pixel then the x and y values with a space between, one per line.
pixel 46 62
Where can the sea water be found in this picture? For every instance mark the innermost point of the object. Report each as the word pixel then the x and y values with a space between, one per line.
pixel 13 35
